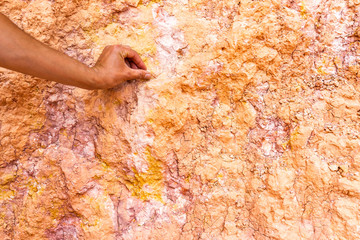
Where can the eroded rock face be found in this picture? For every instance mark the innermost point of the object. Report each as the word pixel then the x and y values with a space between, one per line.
pixel 249 131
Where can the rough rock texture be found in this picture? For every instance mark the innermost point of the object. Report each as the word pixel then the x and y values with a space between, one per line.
pixel 249 131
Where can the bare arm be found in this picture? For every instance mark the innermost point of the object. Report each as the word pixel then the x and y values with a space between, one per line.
pixel 20 52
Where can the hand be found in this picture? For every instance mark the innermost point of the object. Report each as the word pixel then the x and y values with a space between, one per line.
pixel 117 64
pixel 23 53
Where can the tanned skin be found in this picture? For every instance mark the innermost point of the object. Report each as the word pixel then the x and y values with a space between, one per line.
pixel 22 53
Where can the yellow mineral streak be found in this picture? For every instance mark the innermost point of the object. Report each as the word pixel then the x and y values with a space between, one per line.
pixel 303 9
pixel 6 193
pixel 149 184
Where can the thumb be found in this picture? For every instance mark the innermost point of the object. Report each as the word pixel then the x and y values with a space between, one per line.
pixel 138 74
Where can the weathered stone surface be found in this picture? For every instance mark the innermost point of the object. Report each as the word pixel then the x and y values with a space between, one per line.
pixel 250 129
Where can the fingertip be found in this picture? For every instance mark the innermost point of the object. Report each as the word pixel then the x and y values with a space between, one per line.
pixel 139 62
pixel 142 65
pixel 147 76
pixel 135 57
pixel 134 66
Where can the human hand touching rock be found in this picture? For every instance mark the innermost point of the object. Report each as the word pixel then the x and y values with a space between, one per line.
pixel 117 64
pixel 21 52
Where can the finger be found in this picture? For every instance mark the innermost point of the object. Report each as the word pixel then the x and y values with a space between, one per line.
pixel 134 57
pixel 138 74
pixel 133 65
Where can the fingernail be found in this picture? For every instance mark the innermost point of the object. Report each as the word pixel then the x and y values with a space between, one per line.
pixel 148 76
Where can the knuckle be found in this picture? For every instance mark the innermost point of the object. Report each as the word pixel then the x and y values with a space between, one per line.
pixel 129 73
pixel 116 47
pixel 138 75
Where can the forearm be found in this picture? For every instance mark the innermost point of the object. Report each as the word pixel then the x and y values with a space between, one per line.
pixel 20 52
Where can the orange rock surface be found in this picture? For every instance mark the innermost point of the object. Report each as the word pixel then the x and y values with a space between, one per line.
pixel 250 129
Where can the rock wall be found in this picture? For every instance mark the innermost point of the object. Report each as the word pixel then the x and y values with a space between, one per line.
pixel 250 129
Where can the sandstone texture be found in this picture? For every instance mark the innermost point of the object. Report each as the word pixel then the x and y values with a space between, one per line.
pixel 250 129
